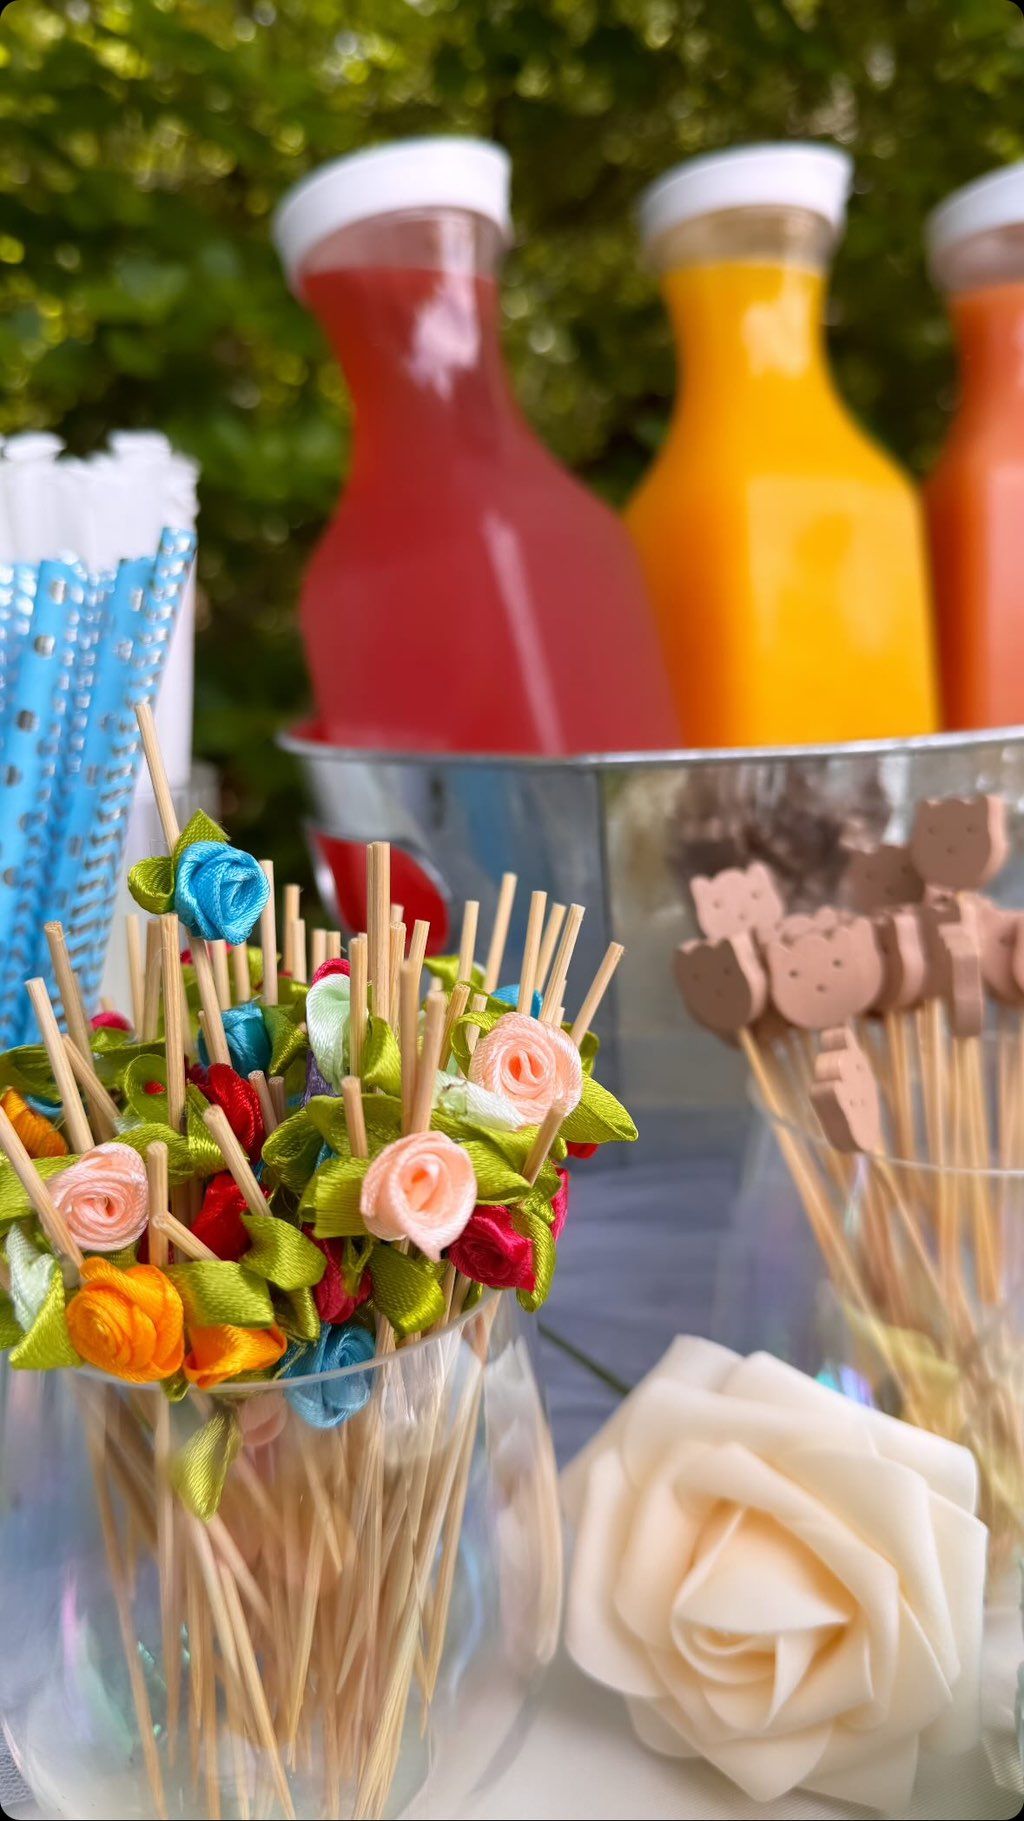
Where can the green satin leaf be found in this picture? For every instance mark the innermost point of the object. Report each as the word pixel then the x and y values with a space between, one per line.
pixel 483 1022
pixel 356 1258
pixel 14 1203
pixel 288 1039
pixel 589 1050
pixel 382 1113
pixel 292 996
pixel 544 1256
pixel 292 1150
pixel 47 1345
pixel 497 1181
pixel 598 1119
pixel 297 1314
pixel 140 1071
pixel 406 1290
pixel 538 1202
pixel 217 1291
pixel 10 1327
pixel 199 827
pixel 327 1114
pixel 27 1070
pixel 175 1388
pixel 446 969
pixel 383 1116
pixel 151 883
pixel 281 1254
pixel 382 1058
pixel 207 1158
pixel 199 1470
pixel 113 1052
pixel 180 1164
pixel 333 1196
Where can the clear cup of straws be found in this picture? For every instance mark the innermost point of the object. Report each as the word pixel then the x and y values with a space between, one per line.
pixel 922 1314
pixel 360 1622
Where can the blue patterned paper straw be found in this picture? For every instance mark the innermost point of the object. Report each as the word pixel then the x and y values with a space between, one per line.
pixel 35 722
pixel 137 637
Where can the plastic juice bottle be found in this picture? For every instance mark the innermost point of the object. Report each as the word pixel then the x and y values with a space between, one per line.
pixel 975 495
pixel 469 595
pixel 783 550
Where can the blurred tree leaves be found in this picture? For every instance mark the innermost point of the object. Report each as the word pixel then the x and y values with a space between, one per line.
pixel 144 143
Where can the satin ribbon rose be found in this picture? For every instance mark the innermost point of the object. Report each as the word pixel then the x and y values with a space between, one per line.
pixel 128 1323
pixel 531 1065
pixel 219 891
pixel 421 1188
pixel 104 1198
pixel 778 1579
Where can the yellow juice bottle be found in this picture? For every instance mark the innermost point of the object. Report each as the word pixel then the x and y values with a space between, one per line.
pixel 784 551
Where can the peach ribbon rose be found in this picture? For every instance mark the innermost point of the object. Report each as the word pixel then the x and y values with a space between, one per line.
pixel 531 1065
pixel 778 1579
pixel 129 1323
pixel 423 1188
pixel 104 1198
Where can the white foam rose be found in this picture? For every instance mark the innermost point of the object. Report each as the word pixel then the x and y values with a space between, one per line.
pixel 778 1579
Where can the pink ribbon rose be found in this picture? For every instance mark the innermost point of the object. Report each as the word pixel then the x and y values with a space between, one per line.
pixel 421 1188
pixel 104 1198
pixel 530 1064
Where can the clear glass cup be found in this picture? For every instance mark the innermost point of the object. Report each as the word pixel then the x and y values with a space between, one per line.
pixel 358 1626
pixel 921 1312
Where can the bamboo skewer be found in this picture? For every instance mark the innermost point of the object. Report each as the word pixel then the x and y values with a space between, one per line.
pixel 215 1037
pixel 358 998
pixel 556 917
pixel 151 992
pixel 216 1122
pixel 268 939
pixel 298 969
pixel 531 950
pixel 221 974
pixel 499 933
pixel 292 903
pixel 596 991
pixel 378 923
pixel 555 990
pixel 78 1128
pixel 106 1115
pixel 136 975
pixel 240 981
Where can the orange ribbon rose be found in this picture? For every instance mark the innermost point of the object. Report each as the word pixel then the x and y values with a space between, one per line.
pixel 129 1323
pixel 224 1351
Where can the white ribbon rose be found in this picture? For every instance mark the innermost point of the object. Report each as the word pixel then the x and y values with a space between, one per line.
pixel 778 1579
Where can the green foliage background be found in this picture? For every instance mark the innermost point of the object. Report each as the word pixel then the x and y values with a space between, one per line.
pixel 143 144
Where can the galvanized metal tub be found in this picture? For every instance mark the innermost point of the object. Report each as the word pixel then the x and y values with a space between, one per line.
pixel 623 834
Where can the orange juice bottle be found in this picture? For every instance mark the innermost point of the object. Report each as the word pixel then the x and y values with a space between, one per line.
pixel 975 496
pixel 784 550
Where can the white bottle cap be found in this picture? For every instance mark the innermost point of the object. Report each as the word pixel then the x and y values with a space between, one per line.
pixel 33 446
pixel 414 174
pixel 802 175
pixel 995 201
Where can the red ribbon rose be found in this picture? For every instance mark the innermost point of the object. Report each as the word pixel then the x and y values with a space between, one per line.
pixel 491 1251
pixel 219 1221
pixel 334 1303
pixel 225 1088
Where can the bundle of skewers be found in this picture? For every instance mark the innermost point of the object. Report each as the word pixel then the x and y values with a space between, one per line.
pixel 885 1038
pixel 245 1207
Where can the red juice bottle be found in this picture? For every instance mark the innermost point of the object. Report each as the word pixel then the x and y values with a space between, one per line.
pixel 469 594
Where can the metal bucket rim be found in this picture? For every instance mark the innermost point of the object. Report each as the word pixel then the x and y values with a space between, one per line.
pixel 303 746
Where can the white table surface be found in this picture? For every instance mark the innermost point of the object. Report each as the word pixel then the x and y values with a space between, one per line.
pixel 580 1761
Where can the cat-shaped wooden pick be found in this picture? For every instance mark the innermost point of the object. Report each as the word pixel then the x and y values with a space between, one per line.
pixel 950 927
pixel 959 842
pixel 901 946
pixel 845 1094
pixel 999 933
pixel 723 983
pixel 825 977
pixel 740 898
pixel 881 878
